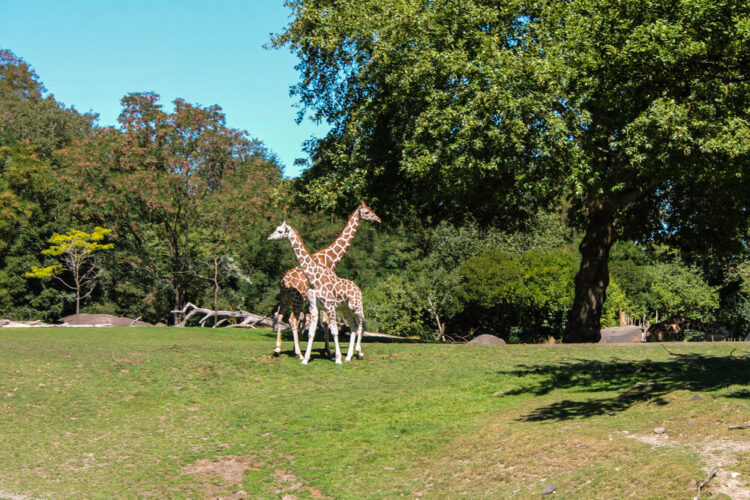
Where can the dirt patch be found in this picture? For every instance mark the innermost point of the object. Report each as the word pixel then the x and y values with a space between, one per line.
pixel 230 469
pixel 289 484
pixel 719 455
pixel 11 496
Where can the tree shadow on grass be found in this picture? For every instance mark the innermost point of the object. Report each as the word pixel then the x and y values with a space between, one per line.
pixel 633 382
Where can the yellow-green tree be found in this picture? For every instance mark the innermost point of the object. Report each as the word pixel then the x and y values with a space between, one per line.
pixel 75 248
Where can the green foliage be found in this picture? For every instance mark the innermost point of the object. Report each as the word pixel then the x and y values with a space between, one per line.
pixel 694 335
pixel 531 290
pixel 29 116
pixel 632 112
pixel 394 306
pixel 76 247
pixel 421 299
pixel 665 288
pixel 678 289
pixel 177 189
pixel 616 300
pixel 33 201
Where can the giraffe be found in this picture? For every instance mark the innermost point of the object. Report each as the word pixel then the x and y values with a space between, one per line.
pixel 329 292
pixel 294 284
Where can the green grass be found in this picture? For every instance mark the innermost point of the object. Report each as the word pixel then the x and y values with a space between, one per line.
pixel 160 412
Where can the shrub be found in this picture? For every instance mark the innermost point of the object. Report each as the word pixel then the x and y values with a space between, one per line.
pixel 502 292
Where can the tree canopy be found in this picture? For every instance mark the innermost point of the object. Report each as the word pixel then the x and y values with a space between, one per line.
pixel 170 185
pixel 635 114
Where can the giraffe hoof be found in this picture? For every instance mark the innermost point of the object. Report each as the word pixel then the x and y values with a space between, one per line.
pixel 276 354
pixel 360 355
pixel 304 361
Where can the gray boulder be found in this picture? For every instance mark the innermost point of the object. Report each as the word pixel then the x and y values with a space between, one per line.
pixel 486 339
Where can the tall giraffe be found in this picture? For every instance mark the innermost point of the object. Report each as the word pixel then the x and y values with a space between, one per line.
pixel 328 292
pixel 294 284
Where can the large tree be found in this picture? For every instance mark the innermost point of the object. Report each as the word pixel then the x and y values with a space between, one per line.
pixel 634 113
pixel 172 186
pixel 33 203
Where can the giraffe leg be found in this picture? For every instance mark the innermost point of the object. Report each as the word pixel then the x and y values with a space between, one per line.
pixel 352 322
pixel 277 318
pixel 311 329
pixel 297 321
pixel 335 333
pixel 294 323
pixel 360 333
pixel 325 323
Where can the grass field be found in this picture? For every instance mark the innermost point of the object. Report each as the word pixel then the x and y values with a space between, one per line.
pixel 194 413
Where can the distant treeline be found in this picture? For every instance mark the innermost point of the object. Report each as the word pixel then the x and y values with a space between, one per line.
pixel 190 200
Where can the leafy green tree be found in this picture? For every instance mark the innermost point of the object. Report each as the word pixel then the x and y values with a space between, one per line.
pixel 679 289
pixel 616 301
pixel 33 203
pixel 530 291
pixel 635 113
pixel 76 248
pixel 393 306
pixel 736 310
pixel 422 296
pixel 29 114
pixel 171 184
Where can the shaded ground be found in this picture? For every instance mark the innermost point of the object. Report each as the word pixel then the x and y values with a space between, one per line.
pixel 625 383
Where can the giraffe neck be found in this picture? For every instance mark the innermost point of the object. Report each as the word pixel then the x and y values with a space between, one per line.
pixel 331 255
pixel 306 262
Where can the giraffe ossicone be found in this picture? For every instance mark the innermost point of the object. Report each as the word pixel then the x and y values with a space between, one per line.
pixel 328 292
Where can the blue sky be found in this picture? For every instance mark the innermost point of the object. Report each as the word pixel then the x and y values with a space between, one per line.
pixel 89 54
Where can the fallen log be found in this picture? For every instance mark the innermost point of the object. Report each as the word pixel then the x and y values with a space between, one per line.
pixel 247 319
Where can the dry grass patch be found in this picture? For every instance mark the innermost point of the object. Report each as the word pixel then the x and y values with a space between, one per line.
pixel 229 469
pixel 518 460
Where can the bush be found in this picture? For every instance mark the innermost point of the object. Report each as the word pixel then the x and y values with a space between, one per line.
pixel 503 292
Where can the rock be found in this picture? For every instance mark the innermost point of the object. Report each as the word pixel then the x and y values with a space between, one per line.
pixel 101 320
pixel 621 335
pixel 735 475
pixel 697 397
pixel 548 489
pixel 660 430
pixel 486 339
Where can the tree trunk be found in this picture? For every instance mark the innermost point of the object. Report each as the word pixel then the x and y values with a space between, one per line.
pixel 216 290
pixel 440 325
pixel 177 303
pixel 77 282
pixel 78 306
pixel 592 280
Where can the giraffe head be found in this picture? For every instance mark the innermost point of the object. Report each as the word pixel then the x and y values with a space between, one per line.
pixel 366 213
pixel 283 231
